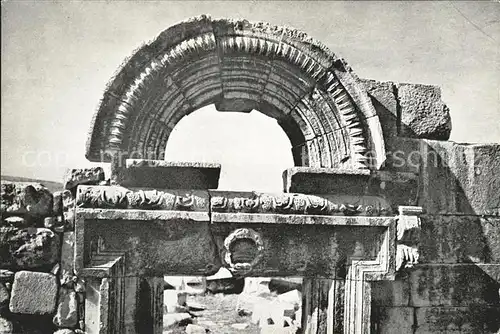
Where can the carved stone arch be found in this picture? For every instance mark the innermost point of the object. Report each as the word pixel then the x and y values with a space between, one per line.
pixel 238 65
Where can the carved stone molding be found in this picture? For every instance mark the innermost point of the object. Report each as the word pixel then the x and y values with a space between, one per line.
pixel 408 236
pixel 116 197
pixel 300 204
pixel 292 77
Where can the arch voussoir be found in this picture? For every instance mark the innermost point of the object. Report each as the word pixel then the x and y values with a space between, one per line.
pixel 240 65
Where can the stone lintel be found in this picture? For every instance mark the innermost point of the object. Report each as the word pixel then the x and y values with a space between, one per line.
pixel 169 175
pixel 399 187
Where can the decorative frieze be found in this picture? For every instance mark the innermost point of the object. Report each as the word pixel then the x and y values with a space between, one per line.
pixel 115 197
pixel 300 204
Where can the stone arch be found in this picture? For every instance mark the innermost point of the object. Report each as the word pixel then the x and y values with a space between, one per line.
pixel 238 65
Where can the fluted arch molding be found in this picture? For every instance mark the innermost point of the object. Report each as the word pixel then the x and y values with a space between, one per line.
pixel 239 65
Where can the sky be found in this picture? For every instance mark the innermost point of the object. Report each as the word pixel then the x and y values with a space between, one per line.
pixel 57 58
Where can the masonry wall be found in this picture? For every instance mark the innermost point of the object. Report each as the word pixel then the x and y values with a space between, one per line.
pixel 455 288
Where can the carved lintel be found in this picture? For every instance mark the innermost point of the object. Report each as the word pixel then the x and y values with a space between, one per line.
pixel 116 197
pixel 408 236
pixel 291 203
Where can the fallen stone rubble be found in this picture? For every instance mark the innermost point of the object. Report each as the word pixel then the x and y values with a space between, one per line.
pixel 39 292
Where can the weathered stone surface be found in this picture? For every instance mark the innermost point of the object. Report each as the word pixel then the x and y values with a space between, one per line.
pixel 6 275
pixel 172 319
pixel 24 198
pixel 457 238
pixel 78 176
pixel 170 175
pixel 58 205
pixel 33 293
pixel 4 298
pixel 393 319
pixel 452 285
pixel 28 248
pixel 473 319
pixel 195 329
pixel 67 309
pixel 156 241
pixel 64 331
pixel 117 197
pixel 16 221
pixel 396 188
pixel 385 103
pixel 6 326
pixel 391 293
pixel 67 257
pixel 423 113
pixel 454 178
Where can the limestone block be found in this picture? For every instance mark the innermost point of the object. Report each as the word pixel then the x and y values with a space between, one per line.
pixel 391 293
pixel 67 309
pixel 64 331
pixel 28 248
pixel 474 319
pixel 58 205
pixel 6 326
pixel 172 319
pixel 24 198
pixel 423 113
pixel 393 319
pixel 385 103
pixel 33 293
pixel 195 329
pixel 67 258
pixel 4 298
pixel 170 175
pixel 77 176
pixel 458 238
pixel 451 285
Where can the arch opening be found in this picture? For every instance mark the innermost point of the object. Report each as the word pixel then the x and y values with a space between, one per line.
pixel 252 148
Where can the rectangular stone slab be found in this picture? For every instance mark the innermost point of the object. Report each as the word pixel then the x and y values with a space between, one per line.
pixel 152 243
pixel 304 245
pixel 161 174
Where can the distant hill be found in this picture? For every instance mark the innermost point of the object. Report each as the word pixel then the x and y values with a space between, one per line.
pixel 51 185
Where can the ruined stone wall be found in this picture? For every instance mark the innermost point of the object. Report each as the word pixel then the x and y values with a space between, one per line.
pixel 39 292
pixel 455 286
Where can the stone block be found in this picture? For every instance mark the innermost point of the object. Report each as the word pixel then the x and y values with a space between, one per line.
pixel 79 176
pixel 28 248
pixel 58 205
pixel 67 257
pixel 64 331
pixel 452 285
pixel 67 309
pixel 195 329
pixel 393 319
pixel 161 174
pixel 6 326
pixel 423 113
pixel 459 239
pixel 385 103
pixel 473 319
pixel 391 293
pixel 173 319
pixel 4 298
pixel 33 293
pixel 24 198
